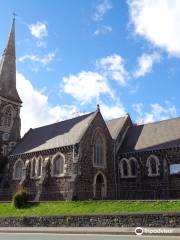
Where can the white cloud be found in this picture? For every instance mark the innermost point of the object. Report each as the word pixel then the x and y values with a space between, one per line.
pixel 157 21
pixel 86 85
pixel 112 111
pixel 38 30
pixel 145 64
pixel 101 9
pixel 113 67
pixel 103 30
pixel 89 85
pixel 138 107
pixel 36 110
pixel 44 60
pixel 157 112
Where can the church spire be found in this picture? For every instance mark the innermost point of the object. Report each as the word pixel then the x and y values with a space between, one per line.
pixel 10 48
pixel 8 69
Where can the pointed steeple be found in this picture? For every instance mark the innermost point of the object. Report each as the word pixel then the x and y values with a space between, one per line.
pixel 10 48
pixel 8 69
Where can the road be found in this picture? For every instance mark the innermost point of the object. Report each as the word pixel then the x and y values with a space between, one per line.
pixel 46 236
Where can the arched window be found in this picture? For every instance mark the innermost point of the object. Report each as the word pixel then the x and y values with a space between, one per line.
pixel 7 118
pixel 18 169
pixel 57 165
pixel 123 168
pixel 38 167
pixel 99 151
pixel 33 167
pixel 153 165
pixel 133 166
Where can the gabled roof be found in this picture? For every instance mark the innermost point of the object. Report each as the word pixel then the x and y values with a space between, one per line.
pixel 116 125
pixel 55 135
pixel 152 136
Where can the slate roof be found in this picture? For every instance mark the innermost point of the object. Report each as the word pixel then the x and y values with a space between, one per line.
pixel 115 126
pixel 55 135
pixel 158 135
pixel 8 69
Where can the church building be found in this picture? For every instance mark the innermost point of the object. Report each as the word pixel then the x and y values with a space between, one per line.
pixel 85 157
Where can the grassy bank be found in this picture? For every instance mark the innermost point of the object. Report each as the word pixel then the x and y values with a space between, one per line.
pixel 90 207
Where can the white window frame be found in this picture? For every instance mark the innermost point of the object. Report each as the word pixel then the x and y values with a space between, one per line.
pixel 52 165
pixel 98 133
pixel 14 169
pixel 39 160
pixel 121 170
pixel 12 117
pixel 129 161
pixel 34 167
pixel 148 165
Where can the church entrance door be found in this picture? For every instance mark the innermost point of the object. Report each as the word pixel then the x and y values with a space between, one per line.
pixel 100 186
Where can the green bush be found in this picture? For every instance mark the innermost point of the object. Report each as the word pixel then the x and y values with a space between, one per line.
pixel 20 199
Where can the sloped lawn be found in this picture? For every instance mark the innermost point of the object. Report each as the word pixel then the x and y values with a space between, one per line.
pixel 90 207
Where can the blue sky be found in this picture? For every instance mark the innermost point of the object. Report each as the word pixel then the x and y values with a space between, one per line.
pixel 71 55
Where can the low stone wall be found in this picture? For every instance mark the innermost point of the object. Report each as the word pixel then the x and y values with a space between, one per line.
pixel 126 220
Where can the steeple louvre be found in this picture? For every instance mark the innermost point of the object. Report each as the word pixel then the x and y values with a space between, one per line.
pixel 8 69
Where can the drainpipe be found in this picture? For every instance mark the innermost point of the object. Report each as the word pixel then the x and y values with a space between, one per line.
pixel 73 153
pixel 115 173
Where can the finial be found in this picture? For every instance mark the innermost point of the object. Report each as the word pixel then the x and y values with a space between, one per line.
pixel 98 107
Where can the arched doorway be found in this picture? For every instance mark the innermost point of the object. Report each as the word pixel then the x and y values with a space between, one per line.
pixel 100 186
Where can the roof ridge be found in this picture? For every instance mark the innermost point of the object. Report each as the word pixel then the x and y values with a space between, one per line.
pixel 125 116
pixel 95 113
pixel 87 114
pixel 151 123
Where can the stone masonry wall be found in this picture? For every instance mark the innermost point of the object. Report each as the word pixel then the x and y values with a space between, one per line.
pixel 47 187
pixel 13 133
pixel 128 220
pixel 164 186
pixel 87 170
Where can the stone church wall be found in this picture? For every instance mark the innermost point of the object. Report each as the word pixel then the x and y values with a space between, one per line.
pixel 85 180
pixel 46 187
pixel 9 136
pixel 78 180
pixel 164 186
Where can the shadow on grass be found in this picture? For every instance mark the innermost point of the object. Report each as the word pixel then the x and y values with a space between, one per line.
pixel 29 205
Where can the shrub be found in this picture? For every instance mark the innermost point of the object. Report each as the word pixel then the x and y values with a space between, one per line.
pixel 20 199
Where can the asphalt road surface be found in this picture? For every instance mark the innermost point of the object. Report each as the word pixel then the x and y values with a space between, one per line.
pixel 46 236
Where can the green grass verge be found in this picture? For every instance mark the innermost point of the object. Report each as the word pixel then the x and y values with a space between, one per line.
pixel 90 207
